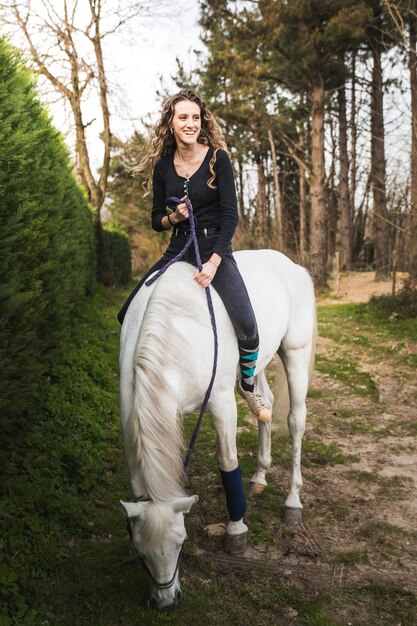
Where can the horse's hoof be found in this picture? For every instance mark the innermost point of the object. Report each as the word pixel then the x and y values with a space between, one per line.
pixel 235 544
pixel 255 489
pixel 291 516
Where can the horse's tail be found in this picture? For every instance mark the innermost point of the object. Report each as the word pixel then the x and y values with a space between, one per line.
pixel 304 304
pixel 153 432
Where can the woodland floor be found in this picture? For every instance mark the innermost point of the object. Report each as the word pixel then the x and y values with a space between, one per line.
pixel 353 561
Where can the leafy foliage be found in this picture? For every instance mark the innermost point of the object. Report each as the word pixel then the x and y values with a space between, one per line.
pixel 55 461
pixel 130 208
pixel 118 248
pixel 46 259
pixel 51 436
pixel 401 306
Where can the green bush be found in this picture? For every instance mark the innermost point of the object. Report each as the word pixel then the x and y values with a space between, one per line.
pixel 402 306
pixel 60 457
pixel 118 247
pixel 46 249
pixel 47 267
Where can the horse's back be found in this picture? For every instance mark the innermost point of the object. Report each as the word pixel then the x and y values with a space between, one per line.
pixel 281 295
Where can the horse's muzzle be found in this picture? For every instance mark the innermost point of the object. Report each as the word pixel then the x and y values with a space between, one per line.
pixel 160 605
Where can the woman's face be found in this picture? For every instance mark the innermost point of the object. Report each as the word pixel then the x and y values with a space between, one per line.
pixel 186 122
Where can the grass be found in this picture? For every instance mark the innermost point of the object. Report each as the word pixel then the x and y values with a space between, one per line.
pixel 363 476
pixel 346 371
pixel 351 557
pixel 99 583
pixel 398 605
pixel 320 453
pixel 368 325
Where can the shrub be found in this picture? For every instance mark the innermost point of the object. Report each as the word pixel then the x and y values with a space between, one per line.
pixel 401 306
pixel 46 257
pixel 47 268
pixel 118 248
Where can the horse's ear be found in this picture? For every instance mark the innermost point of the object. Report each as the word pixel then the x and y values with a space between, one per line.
pixel 134 509
pixel 183 505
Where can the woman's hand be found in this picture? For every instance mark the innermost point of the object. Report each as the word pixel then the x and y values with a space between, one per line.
pixel 181 212
pixel 208 272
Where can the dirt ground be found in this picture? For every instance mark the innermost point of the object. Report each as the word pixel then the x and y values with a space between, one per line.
pixel 359 530
pixel 359 287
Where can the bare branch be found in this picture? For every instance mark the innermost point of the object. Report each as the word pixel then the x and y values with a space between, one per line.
pixel 40 62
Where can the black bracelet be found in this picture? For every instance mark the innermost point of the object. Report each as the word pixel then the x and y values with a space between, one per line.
pixel 173 225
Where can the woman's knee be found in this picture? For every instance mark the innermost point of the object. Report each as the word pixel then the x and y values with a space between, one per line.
pixel 247 335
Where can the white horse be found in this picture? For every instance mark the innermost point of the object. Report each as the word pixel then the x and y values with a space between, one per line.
pixel 166 362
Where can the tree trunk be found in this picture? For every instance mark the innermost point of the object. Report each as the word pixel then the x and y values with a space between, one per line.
pixel 279 235
pixel 240 195
pixel 103 260
pixel 330 195
pixel 260 228
pixel 380 226
pixel 106 136
pixel 318 244
pixel 302 205
pixel 412 234
pixel 344 229
pixel 261 209
pixel 353 141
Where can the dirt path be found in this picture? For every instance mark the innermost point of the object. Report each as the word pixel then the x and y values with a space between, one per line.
pixel 358 541
pixel 359 287
pixel 376 489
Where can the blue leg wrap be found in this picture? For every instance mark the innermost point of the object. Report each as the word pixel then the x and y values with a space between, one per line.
pixel 235 497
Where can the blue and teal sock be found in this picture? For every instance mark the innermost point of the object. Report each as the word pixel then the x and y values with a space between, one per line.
pixel 247 364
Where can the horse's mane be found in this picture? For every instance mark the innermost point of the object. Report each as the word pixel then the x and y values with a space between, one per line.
pixel 155 526
pixel 155 430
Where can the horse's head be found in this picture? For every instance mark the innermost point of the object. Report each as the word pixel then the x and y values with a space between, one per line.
pixel 158 533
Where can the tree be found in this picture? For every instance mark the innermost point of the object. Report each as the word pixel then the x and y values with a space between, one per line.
pixel 378 174
pixel 302 41
pixel 228 80
pixel 65 44
pixel 129 207
pixel 412 57
pixel 344 205
pixel 403 18
pixel 46 260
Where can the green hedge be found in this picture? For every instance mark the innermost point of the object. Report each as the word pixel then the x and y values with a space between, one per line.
pixel 47 267
pixel 118 247
pixel 47 243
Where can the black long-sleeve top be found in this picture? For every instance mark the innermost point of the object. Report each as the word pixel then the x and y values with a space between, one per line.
pixel 213 208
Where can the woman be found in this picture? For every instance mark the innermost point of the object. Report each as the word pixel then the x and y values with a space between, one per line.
pixel 186 157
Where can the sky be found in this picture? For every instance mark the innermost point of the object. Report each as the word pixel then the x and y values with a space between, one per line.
pixel 138 65
pixel 137 58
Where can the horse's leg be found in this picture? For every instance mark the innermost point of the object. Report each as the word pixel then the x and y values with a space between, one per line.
pixel 258 481
pixel 296 363
pixel 224 411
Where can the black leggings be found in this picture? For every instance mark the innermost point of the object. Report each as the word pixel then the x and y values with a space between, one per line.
pixel 227 282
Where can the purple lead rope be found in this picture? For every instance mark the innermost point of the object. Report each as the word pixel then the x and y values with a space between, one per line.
pixel 190 240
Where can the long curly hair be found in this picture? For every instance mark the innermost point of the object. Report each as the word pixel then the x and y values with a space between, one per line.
pixel 162 141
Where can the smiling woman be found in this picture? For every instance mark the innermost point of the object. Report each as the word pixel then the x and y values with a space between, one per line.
pixel 186 158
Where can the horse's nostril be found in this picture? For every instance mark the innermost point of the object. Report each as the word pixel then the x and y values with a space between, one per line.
pixel 161 605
